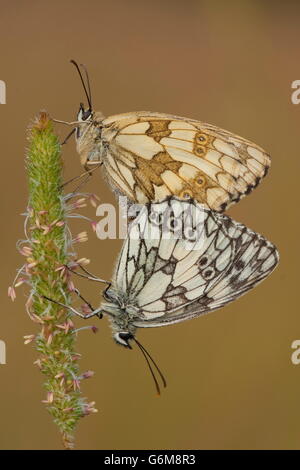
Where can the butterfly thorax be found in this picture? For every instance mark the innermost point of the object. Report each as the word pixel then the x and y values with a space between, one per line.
pixel 89 143
pixel 121 310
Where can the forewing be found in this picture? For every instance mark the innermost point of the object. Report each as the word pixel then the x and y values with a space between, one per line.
pixel 151 156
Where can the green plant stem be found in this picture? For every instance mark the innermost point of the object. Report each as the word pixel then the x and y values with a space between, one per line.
pixel 49 241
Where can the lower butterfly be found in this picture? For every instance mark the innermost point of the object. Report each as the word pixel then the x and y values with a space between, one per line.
pixel 148 156
pixel 181 260
pixel 167 274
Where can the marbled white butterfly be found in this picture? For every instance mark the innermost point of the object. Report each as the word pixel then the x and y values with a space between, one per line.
pixel 148 156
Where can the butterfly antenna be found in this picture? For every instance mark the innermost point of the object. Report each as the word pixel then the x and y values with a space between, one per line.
pixel 147 355
pixel 150 368
pixel 88 96
pixel 88 82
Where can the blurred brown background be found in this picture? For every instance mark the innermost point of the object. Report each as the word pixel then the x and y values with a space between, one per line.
pixel 231 383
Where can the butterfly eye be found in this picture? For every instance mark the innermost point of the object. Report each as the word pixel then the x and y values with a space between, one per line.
pixel 208 273
pixel 123 339
pixel 86 114
pixel 83 115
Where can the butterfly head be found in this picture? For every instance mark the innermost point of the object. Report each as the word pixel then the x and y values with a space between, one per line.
pixel 84 115
pixel 123 338
pixel 88 129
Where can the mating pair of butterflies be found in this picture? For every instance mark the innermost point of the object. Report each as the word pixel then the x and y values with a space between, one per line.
pixel 191 171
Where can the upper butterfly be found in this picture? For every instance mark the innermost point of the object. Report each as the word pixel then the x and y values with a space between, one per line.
pixel 148 156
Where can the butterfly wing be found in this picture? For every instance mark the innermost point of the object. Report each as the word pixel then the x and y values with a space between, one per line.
pixel 175 279
pixel 151 156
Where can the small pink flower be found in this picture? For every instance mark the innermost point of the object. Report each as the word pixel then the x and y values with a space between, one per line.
pixel 49 339
pixel 83 261
pixel 36 318
pixel 46 229
pixel 50 398
pixel 20 281
pixel 58 376
pixel 60 223
pixel 88 374
pixel 31 264
pixel 66 326
pixel 68 410
pixel 94 226
pixel 28 339
pixel 47 317
pixel 71 286
pixel 63 271
pixel 94 199
pixel 38 363
pixel 63 326
pixel 81 237
pixel 81 202
pixel 75 357
pixel 89 408
pixel 77 204
pixel 76 384
pixel 11 293
pixel 61 268
pixel 85 309
pixel 26 251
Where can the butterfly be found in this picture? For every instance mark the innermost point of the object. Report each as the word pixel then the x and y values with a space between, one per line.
pixel 180 260
pixel 148 156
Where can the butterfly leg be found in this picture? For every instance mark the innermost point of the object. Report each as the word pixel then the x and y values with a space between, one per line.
pixel 88 172
pixel 96 312
pixel 88 304
pixel 88 275
pixel 82 183
pixel 68 136
pixel 94 278
pixel 72 123
pixel 76 291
